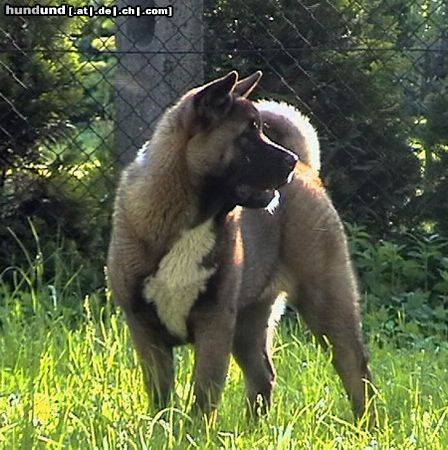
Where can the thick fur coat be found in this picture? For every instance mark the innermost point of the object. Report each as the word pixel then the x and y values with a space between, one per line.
pixel 209 230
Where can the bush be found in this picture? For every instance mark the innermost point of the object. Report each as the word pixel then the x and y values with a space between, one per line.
pixel 55 138
pixel 404 283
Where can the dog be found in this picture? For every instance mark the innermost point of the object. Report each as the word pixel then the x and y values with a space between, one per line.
pixel 221 211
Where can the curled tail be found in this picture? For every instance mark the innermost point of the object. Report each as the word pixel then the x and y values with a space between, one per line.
pixel 289 127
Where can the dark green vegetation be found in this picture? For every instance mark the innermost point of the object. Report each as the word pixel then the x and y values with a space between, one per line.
pixel 405 283
pixel 373 76
pixel 380 111
pixel 55 137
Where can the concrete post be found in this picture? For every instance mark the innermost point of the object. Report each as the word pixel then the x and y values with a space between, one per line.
pixel 159 59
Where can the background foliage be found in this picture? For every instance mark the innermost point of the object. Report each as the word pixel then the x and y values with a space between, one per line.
pixel 369 76
pixel 55 134
pixel 372 76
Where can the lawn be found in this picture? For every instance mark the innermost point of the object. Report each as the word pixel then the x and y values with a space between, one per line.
pixel 69 379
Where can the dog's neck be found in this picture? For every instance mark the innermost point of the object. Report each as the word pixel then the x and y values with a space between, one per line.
pixel 157 198
pixel 161 198
pixel 213 200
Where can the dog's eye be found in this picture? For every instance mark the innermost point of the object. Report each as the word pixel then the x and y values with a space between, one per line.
pixel 254 125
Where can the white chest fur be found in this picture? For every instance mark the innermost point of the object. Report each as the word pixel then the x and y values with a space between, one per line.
pixel 181 277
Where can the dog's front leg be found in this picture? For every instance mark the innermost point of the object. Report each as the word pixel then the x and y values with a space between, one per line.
pixel 252 349
pixel 213 318
pixel 213 333
pixel 156 357
pixel 213 326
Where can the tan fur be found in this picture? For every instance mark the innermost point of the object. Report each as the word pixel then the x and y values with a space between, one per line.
pixel 161 248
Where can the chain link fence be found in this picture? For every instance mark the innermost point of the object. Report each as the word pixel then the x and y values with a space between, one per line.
pixel 79 95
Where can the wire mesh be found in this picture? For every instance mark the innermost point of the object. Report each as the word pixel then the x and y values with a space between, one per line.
pixel 79 95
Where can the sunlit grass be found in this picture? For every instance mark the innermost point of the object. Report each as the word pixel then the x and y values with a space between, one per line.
pixel 69 378
pixel 78 386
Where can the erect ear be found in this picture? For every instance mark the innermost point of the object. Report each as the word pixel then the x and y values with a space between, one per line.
pixel 244 87
pixel 214 98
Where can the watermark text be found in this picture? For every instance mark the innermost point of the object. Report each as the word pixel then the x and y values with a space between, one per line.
pixel 86 10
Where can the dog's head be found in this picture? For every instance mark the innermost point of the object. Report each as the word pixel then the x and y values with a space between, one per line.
pixel 227 152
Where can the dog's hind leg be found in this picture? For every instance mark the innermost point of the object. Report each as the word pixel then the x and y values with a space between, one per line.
pixel 252 347
pixel 329 307
pixel 156 358
pixel 322 286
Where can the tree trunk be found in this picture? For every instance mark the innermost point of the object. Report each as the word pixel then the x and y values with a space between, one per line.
pixel 160 58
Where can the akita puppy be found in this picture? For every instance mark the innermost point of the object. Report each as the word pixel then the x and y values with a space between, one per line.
pixel 199 252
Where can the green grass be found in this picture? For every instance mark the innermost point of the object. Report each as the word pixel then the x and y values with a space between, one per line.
pixel 71 380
